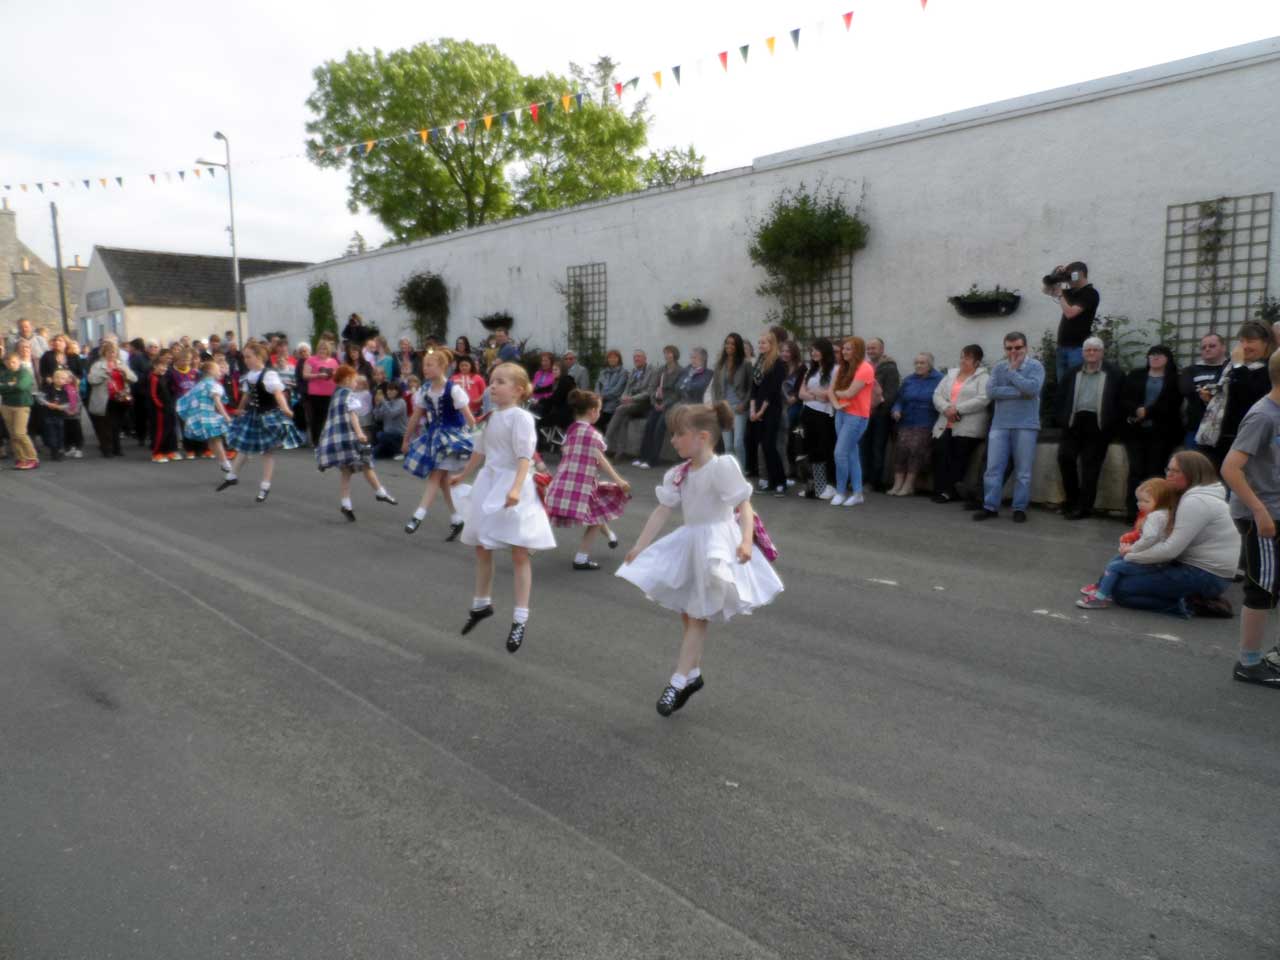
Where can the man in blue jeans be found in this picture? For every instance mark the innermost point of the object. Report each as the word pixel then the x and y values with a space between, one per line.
pixel 1014 388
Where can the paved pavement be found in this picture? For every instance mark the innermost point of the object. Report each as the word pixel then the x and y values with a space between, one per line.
pixel 233 730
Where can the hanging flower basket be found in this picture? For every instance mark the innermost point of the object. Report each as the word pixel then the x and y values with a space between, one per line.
pixel 497 321
pixel 986 303
pixel 688 312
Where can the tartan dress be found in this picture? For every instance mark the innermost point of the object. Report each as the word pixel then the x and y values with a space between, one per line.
pixel 339 446
pixel 200 418
pixel 576 497
pixel 443 442
pixel 262 427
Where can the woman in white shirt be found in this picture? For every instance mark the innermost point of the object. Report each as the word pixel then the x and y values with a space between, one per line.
pixel 817 417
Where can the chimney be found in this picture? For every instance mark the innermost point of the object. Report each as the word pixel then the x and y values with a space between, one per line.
pixel 77 263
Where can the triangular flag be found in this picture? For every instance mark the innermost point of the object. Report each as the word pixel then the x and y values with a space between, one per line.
pixel 422 135
pixel 8 187
pixel 196 171
pixel 769 42
pixel 210 169
pixel 462 127
pixel 578 98
pixel 103 181
pixel 86 184
pixel 337 152
pixel 848 18
pixel 533 111
pixel 922 4
pixel 564 101
pixel 506 119
pixel 657 78
pixel 152 176
pixel 743 50
pixel 795 37
pixel 617 88
pixel 40 187
pixel 368 146
pixel 633 83
pixel 182 175
pixel 675 72
pixel 120 181
pixel 488 120
pixel 724 59
pixel 57 183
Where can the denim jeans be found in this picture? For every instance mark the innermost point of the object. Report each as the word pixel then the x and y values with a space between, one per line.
pixel 1020 442
pixel 1120 567
pixel 1165 588
pixel 735 439
pixel 1068 358
pixel 849 430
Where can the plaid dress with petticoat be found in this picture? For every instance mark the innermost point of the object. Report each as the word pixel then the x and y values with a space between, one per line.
pixel 339 445
pixel 200 418
pixel 576 497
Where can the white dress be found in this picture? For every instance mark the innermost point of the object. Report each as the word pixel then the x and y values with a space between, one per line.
pixel 509 436
pixel 695 570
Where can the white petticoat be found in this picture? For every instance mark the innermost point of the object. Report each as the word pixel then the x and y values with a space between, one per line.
pixel 695 570
pixel 491 524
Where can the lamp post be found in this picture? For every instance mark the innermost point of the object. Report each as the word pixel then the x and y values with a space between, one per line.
pixel 235 259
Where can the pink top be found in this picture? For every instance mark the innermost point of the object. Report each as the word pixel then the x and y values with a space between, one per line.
pixel 474 385
pixel 321 386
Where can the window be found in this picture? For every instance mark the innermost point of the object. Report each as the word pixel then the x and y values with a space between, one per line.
pixel 1215 265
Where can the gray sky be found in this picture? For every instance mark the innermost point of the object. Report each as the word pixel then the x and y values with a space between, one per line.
pixel 129 89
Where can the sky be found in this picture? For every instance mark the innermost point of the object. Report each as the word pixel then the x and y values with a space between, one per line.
pixel 115 89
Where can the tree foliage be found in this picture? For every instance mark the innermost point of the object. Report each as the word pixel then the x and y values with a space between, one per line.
pixel 802 233
pixel 426 296
pixel 475 176
pixel 323 318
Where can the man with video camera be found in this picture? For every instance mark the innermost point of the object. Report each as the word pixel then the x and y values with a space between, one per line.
pixel 1079 301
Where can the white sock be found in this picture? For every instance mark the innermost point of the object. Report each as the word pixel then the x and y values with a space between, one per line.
pixel 679 681
pixel 609 534
pixel 346 503
pixel 479 603
pixel 420 513
pixel 382 492
pixel 231 475
pixel 227 464
pixel 694 674
pixel 264 486
pixel 520 615
pixel 455 518
pixel 581 557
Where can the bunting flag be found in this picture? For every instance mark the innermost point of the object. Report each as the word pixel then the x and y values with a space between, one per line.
pixel 657 78
pixel 795 38
pixel 368 146
pixel 209 169
pixel 488 120
pixel 578 96
pixel 769 42
pixel 86 184
pixel 634 83
pixel 196 171
pixel 423 136
pixel 848 17
pixel 462 127
pixel 564 102
pixel 182 175
pixel 743 50
pixel 533 111
pixel 506 119
pixel 40 187
pixel 152 176
pixel 24 187
pixel 617 89
pixel 724 59
pixel 675 72
pixel 120 180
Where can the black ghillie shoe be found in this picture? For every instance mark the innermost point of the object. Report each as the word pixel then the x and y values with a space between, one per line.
pixel 515 638
pixel 229 482
pixel 667 702
pixel 690 688
pixel 262 496
pixel 387 498
pixel 454 530
pixel 348 513
pixel 474 617
pixel 589 565
pixel 413 524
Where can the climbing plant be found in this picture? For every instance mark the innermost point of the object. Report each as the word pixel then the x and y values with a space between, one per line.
pixel 426 297
pixel 320 303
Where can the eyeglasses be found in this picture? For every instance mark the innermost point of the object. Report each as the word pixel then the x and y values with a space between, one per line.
pixel 1015 349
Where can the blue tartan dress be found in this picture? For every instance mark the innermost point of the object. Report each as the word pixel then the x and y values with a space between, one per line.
pixel 200 418
pixel 262 428
pixel 339 446
pixel 443 443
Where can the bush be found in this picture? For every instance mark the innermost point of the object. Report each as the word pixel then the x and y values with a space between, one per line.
pixel 323 319
pixel 426 297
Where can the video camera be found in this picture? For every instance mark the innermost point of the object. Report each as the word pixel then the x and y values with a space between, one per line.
pixel 1062 278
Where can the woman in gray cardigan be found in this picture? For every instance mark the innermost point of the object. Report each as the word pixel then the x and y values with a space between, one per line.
pixel 611 384
pixel 964 414
pixel 730 383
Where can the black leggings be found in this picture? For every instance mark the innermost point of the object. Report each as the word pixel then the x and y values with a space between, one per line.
pixel 317 413
pixel 764 432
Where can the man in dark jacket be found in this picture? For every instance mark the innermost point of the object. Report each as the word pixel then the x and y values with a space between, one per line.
pixel 876 438
pixel 1088 413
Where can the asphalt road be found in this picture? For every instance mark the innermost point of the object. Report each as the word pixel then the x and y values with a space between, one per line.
pixel 231 730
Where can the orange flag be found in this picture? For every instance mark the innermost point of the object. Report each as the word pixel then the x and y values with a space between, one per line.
pixel 196 171
pixel 724 59
pixel 488 120
pixel 657 78
pixel 422 135
pixel 368 146
pixel 564 102
pixel 769 42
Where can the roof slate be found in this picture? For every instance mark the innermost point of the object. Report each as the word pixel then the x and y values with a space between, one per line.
pixel 152 278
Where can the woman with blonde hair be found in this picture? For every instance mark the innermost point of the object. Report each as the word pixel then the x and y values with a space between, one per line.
pixel 764 415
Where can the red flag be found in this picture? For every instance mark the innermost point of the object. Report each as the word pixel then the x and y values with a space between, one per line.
pixel 848 18
pixel 724 59
pixel 617 88
pixel 533 111
pixel 923 3
pixel 462 126
pixel 152 176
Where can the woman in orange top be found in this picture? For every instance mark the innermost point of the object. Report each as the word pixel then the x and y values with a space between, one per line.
pixel 851 396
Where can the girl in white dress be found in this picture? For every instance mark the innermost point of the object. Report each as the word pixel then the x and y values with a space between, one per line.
pixel 708 568
pixel 502 509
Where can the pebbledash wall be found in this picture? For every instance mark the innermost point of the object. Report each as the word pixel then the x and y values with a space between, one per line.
pixel 996 194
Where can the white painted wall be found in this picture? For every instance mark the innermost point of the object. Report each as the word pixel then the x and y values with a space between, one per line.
pixel 998 194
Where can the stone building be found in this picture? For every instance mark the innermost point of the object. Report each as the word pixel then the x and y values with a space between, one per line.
pixel 28 285
pixel 157 295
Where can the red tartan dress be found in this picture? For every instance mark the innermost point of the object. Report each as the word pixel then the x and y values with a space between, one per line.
pixel 576 497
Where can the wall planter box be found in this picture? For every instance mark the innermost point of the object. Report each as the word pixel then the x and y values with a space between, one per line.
pixel 497 321
pixel 688 316
pixel 975 306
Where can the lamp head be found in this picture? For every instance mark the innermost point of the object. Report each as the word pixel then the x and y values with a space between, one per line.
pixel 218 135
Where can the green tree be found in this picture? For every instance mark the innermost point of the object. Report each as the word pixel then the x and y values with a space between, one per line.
pixel 356 245
pixel 663 168
pixel 473 176
pixel 320 302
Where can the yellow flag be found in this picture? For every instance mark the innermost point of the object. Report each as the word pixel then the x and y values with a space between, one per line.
pixel 103 181
pixel 657 78
pixel 422 135
pixel 488 120
pixel 769 42
pixel 196 171
pixel 564 102
pixel 368 146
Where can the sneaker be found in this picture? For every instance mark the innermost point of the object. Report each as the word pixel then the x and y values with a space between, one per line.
pixel 791 481
pixel 208 455
pixel 941 498
pixel 190 455
pixel 636 463
pixel 159 458
pixel 762 484
pixel 641 464
pixel 77 453
pixel 854 500
pixel 474 617
pixel 348 513
pixel 667 702
pixel 1261 673
pixel 412 526
pixel 780 492
pixel 515 637
pixel 454 530
pixel 174 456
pixel 827 492
pixel 1089 589
pixel 837 500
pixel 1019 516
pixel 690 688
pixel 398 456
pixel 1091 602
pixel 985 514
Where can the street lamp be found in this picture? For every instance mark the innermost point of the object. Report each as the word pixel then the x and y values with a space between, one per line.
pixel 235 259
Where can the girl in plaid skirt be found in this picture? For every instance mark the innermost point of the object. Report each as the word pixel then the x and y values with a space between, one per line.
pixel 204 416
pixel 576 497
pixel 444 444
pixel 343 443
pixel 263 422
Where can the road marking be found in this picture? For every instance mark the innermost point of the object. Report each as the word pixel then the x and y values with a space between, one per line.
pixel 887 583
pixel 1165 636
